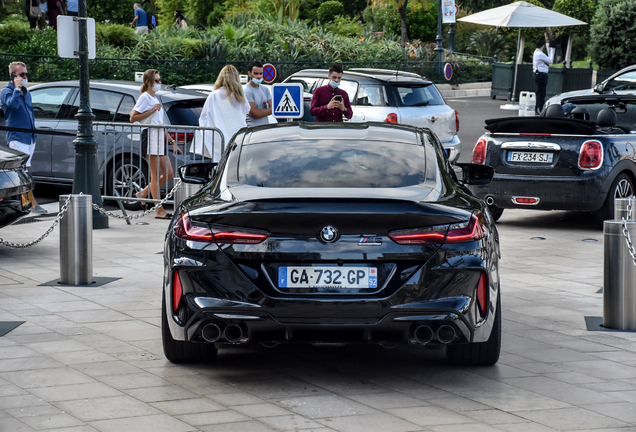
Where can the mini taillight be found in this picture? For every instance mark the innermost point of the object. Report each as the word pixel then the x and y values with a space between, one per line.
pixel 591 155
pixel 177 291
pixel 456 121
pixel 391 118
pixel 456 233
pixel 479 152
pixel 482 294
pixel 187 230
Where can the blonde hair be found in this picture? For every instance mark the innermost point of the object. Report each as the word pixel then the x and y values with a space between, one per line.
pixel 230 79
pixel 14 65
pixel 149 80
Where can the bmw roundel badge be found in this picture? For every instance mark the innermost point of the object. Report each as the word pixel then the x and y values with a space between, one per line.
pixel 329 234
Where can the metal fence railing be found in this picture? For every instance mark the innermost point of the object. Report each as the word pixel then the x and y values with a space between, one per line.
pixel 126 167
pixel 53 68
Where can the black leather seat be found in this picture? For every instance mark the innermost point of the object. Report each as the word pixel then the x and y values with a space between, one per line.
pixel 581 113
pixel 606 121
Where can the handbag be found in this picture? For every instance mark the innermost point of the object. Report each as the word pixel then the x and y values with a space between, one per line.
pixel 35 12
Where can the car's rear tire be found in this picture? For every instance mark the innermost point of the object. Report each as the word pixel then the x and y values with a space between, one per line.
pixel 622 187
pixel 495 212
pixel 480 353
pixel 126 177
pixel 181 351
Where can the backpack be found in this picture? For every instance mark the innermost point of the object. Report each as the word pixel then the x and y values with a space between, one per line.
pixel 152 22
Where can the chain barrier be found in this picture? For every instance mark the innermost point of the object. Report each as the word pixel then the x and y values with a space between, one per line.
pixel 56 221
pixel 145 212
pixel 628 239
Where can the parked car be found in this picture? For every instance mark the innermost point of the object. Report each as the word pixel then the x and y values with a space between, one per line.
pixel 122 167
pixel 622 82
pixel 16 186
pixel 558 163
pixel 393 97
pixel 322 232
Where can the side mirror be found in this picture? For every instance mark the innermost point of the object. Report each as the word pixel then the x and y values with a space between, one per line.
pixel 598 88
pixel 475 174
pixel 197 173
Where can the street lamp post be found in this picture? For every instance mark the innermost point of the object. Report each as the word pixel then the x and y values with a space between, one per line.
pixel 85 176
pixel 439 49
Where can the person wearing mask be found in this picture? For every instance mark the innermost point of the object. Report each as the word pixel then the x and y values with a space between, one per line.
pixel 258 96
pixel 55 8
pixel 18 113
pixel 540 66
pixel 225 109
pixel 72 7
pixel 160 167
pixel 140 22
pixel 329 103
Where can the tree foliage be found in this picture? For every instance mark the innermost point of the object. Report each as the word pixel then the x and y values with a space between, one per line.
pixel 580 9
pixel 328 11
pixel 481 5
pixel 612 43
pixel 115 11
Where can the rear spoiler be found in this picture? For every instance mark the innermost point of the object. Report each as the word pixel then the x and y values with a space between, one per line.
pixel 541 125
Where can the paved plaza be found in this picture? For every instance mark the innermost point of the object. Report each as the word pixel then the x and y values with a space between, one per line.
pixel 90 358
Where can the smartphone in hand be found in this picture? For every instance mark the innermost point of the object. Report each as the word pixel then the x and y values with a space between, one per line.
pixel 338 98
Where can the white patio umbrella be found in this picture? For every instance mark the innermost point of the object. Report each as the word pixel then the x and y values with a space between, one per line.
pixel 521 14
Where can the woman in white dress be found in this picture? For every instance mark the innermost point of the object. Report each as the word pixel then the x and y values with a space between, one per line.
pixel 225 109
pixel 148 111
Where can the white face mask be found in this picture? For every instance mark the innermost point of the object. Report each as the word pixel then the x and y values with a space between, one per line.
pixel 25 81
pixel 334 84
pixel 156 87
pixel 257 81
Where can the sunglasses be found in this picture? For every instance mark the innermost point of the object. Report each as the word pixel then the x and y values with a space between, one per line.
pixel 23 75
pixel 158 80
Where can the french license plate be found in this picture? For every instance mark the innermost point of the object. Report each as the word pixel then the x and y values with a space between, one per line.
pixel 532 157
pixel 322 277
pixel 27 199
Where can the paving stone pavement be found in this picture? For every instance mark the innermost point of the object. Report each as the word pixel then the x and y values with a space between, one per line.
pixel 90 359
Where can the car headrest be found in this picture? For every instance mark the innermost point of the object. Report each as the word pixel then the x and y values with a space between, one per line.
pixel 606 118
pixel 581 113
pixel 556 111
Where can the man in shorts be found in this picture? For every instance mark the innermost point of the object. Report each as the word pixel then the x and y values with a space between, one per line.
pixel 18 112
pixel 140 22
pixel 258 96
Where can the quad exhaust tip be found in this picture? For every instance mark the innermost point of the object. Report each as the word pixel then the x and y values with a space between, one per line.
pixel 490 200
pixel 446 334
pixel 233 333
pixel 423 334
pixel 211 333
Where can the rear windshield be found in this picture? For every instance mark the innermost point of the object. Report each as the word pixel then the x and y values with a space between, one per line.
pixel 185 112
pixel 333 164
pixel 413 95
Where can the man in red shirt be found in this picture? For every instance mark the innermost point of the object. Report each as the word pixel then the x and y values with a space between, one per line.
pixel 329 103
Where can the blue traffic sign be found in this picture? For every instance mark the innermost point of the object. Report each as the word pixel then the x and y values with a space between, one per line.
pixel 287 100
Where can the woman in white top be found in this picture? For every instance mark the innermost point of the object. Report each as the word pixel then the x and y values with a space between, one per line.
pixel 225 109
pixel 148 110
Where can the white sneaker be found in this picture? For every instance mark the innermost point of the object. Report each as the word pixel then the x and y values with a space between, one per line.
pixel 38 209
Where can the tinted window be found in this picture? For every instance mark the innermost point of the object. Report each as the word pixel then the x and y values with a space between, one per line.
pixel 370 95
pixel 415 95
pixel 308 83
pixel 47 102
pixel 626 81
pixel 185 112
pixel 337 163
pixel 104 104
pixel 124 110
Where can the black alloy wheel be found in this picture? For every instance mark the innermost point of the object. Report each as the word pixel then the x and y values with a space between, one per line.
pixel 622 187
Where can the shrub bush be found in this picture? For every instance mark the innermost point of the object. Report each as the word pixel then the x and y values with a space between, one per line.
pixel 42 42
pixel 117 35
pixel 346 26
pixel 422 23
pixel 12 33
pixel 612 43
pixel 328 11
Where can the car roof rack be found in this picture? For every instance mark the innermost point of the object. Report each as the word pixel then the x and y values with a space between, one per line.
pixel 394 72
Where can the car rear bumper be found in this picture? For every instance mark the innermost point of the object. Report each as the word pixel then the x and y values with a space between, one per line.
pixel 453 149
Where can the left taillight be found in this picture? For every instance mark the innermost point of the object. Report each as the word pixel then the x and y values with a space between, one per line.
pixel 482 294
pixel 177 291
pixel 188 230
pixel 462 232
pixel 591 155
pixel 479 152
pixel 456 121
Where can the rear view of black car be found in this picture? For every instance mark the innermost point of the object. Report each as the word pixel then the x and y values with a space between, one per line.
pixel 16 185
pixel 321 233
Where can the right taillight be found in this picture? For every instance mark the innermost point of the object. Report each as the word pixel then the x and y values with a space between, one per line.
pixel 591 155
pixel 462 232
pixel 456 122
pixel 391 118
pixel 479 152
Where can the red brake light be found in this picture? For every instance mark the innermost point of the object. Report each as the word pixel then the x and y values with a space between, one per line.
pixel 456 121
pixel 457 233
pixel 391 118
pixel 482 294
pixel 185 229
pixel 479 152
pixel 591 155
pixel 177 291
pixel 181 137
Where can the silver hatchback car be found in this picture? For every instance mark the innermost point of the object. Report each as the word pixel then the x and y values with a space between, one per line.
pixel 393 97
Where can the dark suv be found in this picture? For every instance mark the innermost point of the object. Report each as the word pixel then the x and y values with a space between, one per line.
pixel 393 97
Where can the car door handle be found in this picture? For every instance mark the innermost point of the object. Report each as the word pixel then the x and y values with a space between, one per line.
pixel 432 119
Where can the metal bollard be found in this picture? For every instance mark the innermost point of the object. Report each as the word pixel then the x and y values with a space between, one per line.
pixel 76 241
pixel 619 277
pixel 620 208
pixel 185 190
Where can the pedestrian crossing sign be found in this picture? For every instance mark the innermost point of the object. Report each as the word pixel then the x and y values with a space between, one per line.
pixel 287 100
